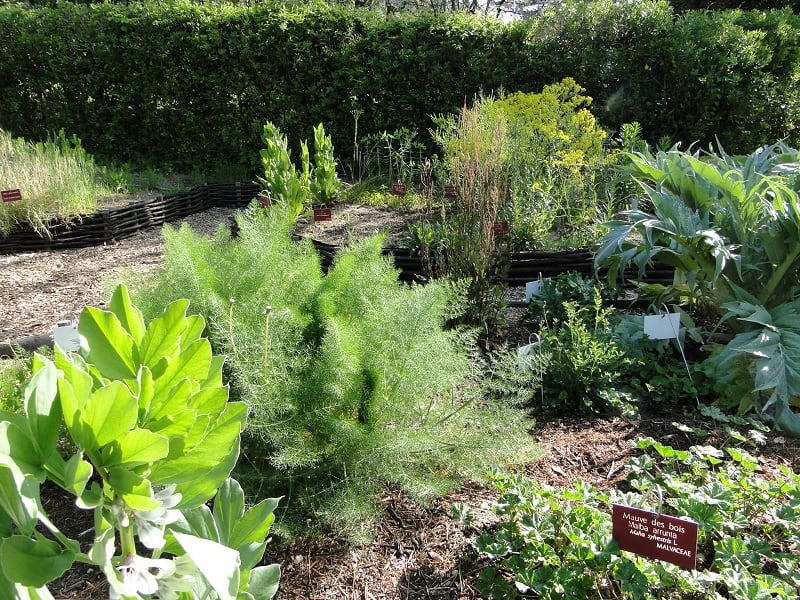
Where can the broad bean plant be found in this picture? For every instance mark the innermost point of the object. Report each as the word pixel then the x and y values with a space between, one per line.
pixel 137 426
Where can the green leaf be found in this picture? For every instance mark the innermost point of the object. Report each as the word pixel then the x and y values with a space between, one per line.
pixel 91 498
pixel 73 389
pixel 209 400
pixel 42 409
pixel 16 443
pixel 218 564
pixel 254 526
pixel 133 489
pixel 19 498
pixel 146 391
pixel 176 428
pixel 136 447
pixel 109 347
pixel 163 335
pixel 228 510
pixel 202 468
pixel 214 377
pixel 129 316
pixel 192 362
pixel 108 414
pixel 33 562
pixel 264 581
pixel 200 522
pixel 77 474
pixel 170 401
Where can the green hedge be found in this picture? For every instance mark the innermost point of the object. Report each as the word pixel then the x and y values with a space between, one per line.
pixel 182 85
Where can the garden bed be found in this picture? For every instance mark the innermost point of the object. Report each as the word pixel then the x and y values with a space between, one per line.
pixel 418 551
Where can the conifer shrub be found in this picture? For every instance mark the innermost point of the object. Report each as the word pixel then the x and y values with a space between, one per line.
pixel 351 378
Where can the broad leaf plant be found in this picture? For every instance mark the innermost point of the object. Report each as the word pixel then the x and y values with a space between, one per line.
pixel 730 226
pixel 137 426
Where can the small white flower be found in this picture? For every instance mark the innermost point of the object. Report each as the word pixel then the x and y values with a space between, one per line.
pixel 150 524
pixel 140 575
pixel 180 580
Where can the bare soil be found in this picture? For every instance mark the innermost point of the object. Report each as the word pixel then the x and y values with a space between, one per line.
pixel 418 552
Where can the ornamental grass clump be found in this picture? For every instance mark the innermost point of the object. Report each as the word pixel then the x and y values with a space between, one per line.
pixel 350 376
pixel 56 179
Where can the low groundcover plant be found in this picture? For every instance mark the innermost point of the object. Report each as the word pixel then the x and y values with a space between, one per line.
pixel 556 543
pixel 150 438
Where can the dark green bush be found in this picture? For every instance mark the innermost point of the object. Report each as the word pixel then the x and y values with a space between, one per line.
pixel 182 84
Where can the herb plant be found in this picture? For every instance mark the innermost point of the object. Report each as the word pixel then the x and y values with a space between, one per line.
pixel 293 189
pixel 473 144
pixel 586 365
pixel 151 438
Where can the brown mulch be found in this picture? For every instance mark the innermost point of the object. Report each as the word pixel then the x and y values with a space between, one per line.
pixel 418 552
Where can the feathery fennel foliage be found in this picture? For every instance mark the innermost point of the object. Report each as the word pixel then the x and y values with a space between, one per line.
pixel 351 378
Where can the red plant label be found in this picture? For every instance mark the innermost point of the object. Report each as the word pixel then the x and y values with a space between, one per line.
pixel 449 191
pixel 264 199
pixel 11 195
pixel 500 227
pixel 322 214
pixel 655 536
pixel 399 189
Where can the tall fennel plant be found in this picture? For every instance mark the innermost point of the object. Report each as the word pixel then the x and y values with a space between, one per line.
pixel 730 225
pixel 151 438
pixel 351 377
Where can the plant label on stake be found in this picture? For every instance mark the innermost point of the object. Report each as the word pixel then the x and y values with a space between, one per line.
pixel 322 214
pixel 11 195
pixel 449 191
pixel 523 352
pixel 656 536
pixel 66 336
pixel 663 326
pixel 500 227
pixel 532 288
pixel 399 189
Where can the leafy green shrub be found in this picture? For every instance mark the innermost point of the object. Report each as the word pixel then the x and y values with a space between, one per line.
pixel 154 438
pixel 682 76
pixel 515 377
pixel 586 365
pixel 556 543
pixel 554 157
pixel 14 375
pixel 396 157
pixel 351 379
pixel 659 370
pixel 56 178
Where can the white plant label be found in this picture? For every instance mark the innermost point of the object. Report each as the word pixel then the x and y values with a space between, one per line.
pixel 67 338
pixel 663 326
pixel 532 288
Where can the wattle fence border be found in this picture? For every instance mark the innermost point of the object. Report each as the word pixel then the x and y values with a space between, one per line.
pixel 113 224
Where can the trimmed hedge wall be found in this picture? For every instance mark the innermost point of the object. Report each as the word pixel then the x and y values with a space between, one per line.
pixel 176 84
